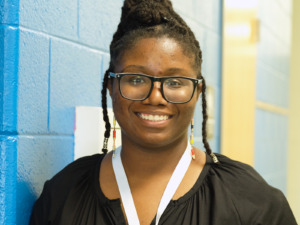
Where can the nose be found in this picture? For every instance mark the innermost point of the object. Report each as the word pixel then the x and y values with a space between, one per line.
pixel 155 97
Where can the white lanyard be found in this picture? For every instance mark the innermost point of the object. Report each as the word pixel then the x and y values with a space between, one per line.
pixel 170 190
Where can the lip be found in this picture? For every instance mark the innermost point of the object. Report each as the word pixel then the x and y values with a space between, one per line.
pixel 144 117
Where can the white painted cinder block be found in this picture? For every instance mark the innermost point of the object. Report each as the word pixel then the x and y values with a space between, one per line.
pixel 89 131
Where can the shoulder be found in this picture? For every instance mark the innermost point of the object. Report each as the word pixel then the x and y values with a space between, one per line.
pixel 253 198
pixel 235 171
pixel 76 169
pixel 242 180
pixel 57 189
pixel 73 173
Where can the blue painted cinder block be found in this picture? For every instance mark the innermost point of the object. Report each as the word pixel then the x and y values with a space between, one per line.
pixel 211 58
pixel 33 83
pixel 273 52
pixel 94 15
pixel 55 17
pixel 276 17
pixel 8 168
pixel 270 83
pixel 205 13
pixel 271 135
pixel 199 32
pixel 9 12
pixel 202 12
pixel 75 79
pixel 9 37
pixel 275 34
pixel 51 154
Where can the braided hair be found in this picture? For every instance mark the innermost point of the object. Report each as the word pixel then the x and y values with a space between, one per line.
pixel 152 19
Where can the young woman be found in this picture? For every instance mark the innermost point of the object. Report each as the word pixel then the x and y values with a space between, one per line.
pixel 156 176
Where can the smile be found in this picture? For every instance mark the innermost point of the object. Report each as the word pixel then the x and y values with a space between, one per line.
pixel 154 118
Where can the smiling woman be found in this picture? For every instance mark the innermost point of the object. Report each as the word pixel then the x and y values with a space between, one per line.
pixel 161 58
pixel 157 176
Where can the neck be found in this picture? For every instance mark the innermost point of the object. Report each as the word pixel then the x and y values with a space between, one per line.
pixel 140 161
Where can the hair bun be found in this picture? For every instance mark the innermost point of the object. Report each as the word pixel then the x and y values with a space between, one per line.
pixel 145 12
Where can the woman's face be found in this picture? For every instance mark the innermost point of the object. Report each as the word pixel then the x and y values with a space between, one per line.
pixel 157 57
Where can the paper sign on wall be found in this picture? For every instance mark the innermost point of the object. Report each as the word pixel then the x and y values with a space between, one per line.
pixel 89 131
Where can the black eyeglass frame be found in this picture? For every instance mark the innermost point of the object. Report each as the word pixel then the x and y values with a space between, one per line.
pixel 154 79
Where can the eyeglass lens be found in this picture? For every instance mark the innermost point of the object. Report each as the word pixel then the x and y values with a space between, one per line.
pixel 137 87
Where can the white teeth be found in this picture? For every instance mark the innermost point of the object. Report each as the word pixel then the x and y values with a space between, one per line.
pixel 153 117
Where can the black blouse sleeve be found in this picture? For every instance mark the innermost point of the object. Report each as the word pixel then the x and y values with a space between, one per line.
pixel 49 205
pixel 256 202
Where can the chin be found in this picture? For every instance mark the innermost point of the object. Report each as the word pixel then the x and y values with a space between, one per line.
pixel 155 141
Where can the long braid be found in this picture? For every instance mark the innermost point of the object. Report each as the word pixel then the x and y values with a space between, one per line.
pixel 105 113
pixel 205 116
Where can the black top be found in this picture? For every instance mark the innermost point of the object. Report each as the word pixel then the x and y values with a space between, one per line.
pixel 229 193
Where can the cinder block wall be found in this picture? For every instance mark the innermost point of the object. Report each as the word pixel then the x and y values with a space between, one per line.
pixel 55 54
pixel 272 89
pixel 63 51
pixel 9 23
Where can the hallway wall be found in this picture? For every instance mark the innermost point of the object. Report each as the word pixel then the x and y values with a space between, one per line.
pixel 272 91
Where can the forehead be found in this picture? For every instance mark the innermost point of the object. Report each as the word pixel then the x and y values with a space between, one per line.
pixel 157 54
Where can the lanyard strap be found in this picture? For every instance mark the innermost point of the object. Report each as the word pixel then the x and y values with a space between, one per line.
pixel 170 190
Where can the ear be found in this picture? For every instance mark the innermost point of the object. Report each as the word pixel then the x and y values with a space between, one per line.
pixel 198 90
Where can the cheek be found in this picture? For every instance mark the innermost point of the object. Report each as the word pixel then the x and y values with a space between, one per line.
pixel 116 96
pixel 118 102
pixel 191 106
pixel 120 107
pixel 186 113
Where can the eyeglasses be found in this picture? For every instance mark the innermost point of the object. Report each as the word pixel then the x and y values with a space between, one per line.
pixel 138 87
